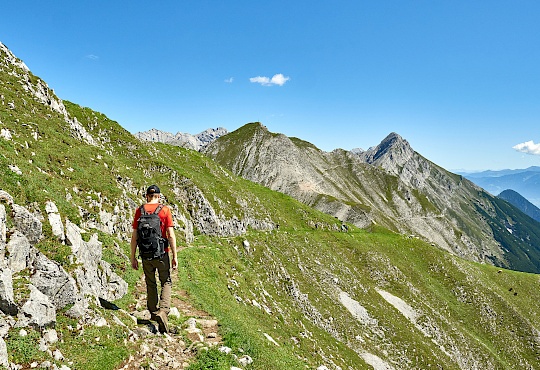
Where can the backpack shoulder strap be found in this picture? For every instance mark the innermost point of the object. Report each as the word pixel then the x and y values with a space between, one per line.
pixel 158 209
pixel 143 211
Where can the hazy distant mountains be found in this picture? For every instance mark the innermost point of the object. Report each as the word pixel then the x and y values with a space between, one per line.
pixel 526 182
pixel 195 142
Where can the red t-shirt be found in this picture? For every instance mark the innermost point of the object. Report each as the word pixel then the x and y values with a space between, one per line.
pixel 165 217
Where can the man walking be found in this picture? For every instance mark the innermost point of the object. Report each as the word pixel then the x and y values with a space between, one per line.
pixel 162 263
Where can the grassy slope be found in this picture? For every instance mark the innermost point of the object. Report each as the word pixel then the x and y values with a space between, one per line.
pixel 297 272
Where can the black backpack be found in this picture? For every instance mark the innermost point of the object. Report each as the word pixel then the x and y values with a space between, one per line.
pixel 149 239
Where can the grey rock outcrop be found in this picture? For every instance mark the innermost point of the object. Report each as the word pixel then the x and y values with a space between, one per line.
pixel 55 220
pixel 94 276
pixel 19 252
pixel 38 310
pixel 27 223
pixel 52 280
pixel 7 300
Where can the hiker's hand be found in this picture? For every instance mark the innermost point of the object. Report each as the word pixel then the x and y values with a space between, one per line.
pixel 174 263
pixel 134 263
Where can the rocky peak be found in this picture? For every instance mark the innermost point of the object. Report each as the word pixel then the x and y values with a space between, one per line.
pixel 195 142
pixel 393 147
pixel 10 58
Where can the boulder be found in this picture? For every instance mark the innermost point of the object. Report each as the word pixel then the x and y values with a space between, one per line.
pixel 94 276
pixel 52 280
pixel 55 220
pixel 79 309
pixel 27 223
pixel 39 310
pixel 18 248
pixel 7 301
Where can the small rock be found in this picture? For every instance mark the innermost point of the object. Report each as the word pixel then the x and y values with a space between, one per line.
pixel 43 345
pixel 100 322
pixel 50 336
pixel 271 339
pixel 207 323
pixel 245 360
pixel 174 312
pixel 225 349
pixel 23 333
pixel 58 356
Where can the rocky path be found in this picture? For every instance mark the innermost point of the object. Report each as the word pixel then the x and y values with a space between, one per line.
pixel 190 331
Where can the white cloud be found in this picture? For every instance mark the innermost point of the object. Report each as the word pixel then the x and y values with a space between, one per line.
pixel 528 147
pixel 229 80
pixel 92 57
pixel 277 79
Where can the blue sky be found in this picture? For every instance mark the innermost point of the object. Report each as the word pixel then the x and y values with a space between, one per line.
pixel 460 80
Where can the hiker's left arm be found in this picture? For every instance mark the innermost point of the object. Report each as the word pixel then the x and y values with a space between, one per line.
pixel 133 244
pixel 172 244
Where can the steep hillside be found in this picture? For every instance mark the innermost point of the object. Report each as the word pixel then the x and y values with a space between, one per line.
pixel 514 198
pixel 389 185
pixel 289 289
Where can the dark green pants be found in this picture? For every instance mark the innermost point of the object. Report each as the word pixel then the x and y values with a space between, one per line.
pixel 163 268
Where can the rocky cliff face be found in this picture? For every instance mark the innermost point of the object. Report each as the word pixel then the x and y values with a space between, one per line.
pixel 185 140
pixel 389 184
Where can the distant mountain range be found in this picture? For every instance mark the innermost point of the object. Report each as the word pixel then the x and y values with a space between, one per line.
pixel 185 140
pixel 524 181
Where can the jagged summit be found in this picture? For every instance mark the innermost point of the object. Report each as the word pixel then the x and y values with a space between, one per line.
pixel 393 151
pixel 195 142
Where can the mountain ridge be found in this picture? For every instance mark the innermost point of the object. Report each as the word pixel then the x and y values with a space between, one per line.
pixel 196 142
pixel 389 184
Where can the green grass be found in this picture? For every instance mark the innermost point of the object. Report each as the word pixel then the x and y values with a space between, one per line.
pixel 23 349
pixel 212 359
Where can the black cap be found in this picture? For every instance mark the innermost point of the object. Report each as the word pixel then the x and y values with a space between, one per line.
pixel 152 189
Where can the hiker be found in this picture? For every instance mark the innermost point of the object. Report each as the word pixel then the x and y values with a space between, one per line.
pixel 154 252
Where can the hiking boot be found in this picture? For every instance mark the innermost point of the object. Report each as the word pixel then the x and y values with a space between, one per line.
pixel 163 324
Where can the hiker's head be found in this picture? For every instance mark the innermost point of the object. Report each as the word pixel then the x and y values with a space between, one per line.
pixel 153 192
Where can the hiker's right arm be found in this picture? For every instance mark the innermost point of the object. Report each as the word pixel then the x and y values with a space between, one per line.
pixel 134 262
